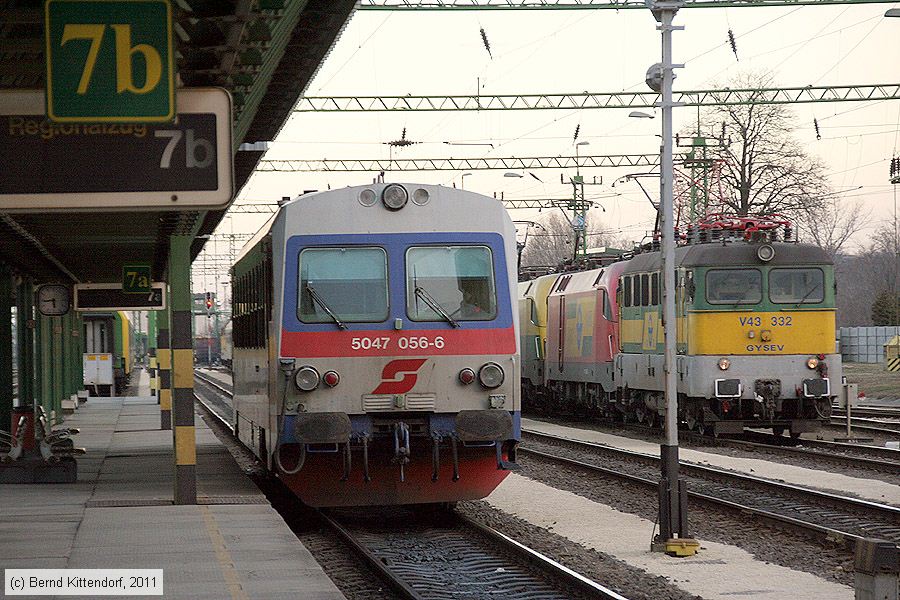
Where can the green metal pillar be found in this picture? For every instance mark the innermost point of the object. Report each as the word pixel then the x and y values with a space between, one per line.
pixel 152 366
pixel 164 369
pixel 46 364
pixel 57 360
pixel 6 357
pixel 180 309
pixel 25 335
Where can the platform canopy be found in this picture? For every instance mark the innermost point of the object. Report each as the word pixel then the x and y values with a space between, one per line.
pixel 264 52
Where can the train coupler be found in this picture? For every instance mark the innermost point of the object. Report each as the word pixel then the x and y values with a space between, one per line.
pixel 401 447
pixel 435 456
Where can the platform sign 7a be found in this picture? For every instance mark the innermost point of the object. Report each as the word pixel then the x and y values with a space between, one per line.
pixel 136 279
pixel 109 61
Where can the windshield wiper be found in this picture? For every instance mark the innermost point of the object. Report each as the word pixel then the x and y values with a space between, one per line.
pixel 318 300
pixel 435 306
pixel 806 295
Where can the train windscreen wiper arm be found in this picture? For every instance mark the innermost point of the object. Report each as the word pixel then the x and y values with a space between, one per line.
pixel 435 306
pixel 318 300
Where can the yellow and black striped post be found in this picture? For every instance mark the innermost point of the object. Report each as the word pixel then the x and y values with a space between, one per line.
pixel 182 388
pixel 893 364
pixel 163 370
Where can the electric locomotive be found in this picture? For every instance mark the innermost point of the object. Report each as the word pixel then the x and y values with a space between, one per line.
pixel 375 352
pixel 755 344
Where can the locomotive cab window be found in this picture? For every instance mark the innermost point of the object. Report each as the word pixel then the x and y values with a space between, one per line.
pixel 733 286
pixel 796 286
pixel 450 283
pixel 349 283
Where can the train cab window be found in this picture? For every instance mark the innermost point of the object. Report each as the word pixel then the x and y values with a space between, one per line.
pixel 607 307
pixel 733 286
pixel 534 312
pixel 450 283
pixel 645 290
pixel 345 284
pixel 654 286
pixel 796 286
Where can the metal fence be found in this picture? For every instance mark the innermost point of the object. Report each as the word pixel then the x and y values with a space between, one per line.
pixel 865 344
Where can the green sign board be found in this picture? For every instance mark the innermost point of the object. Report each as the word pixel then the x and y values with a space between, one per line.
pixel 136 279
pixel 109 61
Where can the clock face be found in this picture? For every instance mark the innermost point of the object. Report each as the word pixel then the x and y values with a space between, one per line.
pixel 53 300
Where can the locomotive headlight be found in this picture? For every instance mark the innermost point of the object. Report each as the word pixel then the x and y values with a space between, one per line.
pixel 394 196
pixel 367 197
pixel 724 363
pixel 306 379
pixel 812 362
pixel 490 375
pixel 765 253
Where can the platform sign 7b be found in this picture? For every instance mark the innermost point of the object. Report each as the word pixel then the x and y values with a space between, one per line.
pixel 109 61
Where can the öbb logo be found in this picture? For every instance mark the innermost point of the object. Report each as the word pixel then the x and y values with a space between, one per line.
pixel 399 376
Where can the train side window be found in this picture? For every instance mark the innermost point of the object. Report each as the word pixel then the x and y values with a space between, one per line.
pixel 689 287
pixel 626 287
pixel 654 286
pixel 645 290
pixel 534 313
pixel 636 291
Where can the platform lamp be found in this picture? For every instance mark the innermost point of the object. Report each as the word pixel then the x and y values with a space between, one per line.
pixel 673 535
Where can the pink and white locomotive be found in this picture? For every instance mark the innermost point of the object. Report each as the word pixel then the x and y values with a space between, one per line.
pixel 376 345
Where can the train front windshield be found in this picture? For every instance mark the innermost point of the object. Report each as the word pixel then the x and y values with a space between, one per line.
pixel 350 283
pixel 458 279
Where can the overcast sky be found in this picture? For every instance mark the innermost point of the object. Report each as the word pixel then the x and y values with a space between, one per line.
pixel 441 53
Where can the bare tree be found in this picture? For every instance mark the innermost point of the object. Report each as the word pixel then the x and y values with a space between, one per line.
pixel 831 223
pixel 766 170
pixel 554 240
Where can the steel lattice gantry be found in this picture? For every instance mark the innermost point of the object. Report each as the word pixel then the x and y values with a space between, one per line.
pixel 457 5
pixel 594 100
pixel 458 164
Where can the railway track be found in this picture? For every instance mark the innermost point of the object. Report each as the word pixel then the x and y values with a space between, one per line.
pixel 869 411
pixel 890 428
pixel 425 556
pixel 821 515
pixel 421 557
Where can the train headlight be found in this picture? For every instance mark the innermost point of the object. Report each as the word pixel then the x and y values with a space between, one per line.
pixel 394 196
pixel 765 253
pixel 420 197
pixel 724 363
pixel 306 379
pixel 367 197
pixel 490 375
pixel 331 378
pixel 466 376
pixel 812 363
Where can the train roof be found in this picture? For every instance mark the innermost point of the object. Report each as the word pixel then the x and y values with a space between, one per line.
pixel 341 211
pixel 732 254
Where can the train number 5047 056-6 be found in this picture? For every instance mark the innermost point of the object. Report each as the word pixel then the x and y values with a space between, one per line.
pixel 403 343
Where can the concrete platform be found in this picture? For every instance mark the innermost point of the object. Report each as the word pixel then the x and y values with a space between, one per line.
pixel 222 377
pixel 718 571
pixel 869 489
pixel 119 514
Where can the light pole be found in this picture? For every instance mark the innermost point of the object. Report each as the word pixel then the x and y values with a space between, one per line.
pixel 673 531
